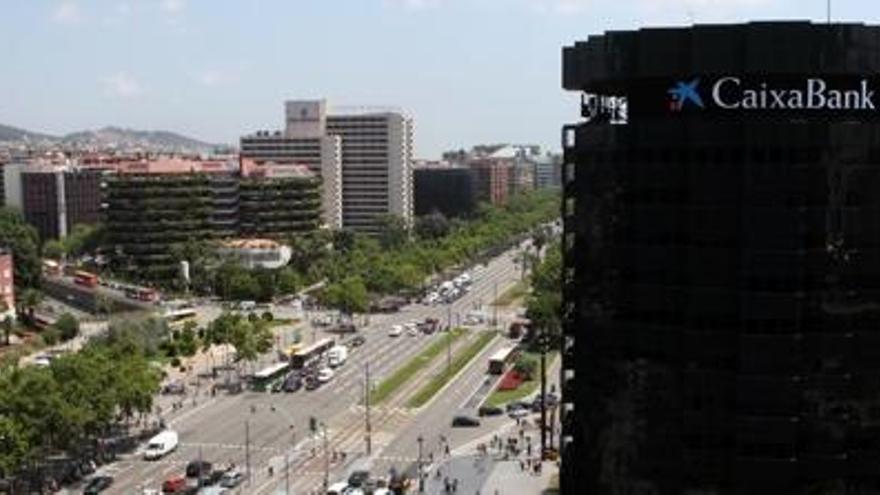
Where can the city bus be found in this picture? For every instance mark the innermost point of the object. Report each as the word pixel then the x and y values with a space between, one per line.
pixel 85 279
pixel 501 359
pixel 263 379
pixel 178 317
pixel 142 294
pixel 289 351
pixel 307 355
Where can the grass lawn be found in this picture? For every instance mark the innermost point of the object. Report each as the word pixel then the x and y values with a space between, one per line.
pixel 517 291
pixel 459 361
pixel 389 385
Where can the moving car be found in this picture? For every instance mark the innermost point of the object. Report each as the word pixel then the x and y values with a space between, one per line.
pixel 231 479
pixel 358 478
pixel 465 421
pixel 490 411
pixel 340 488
pixel 396 331
pixel 519 412
pixel 160 445
pixel 174 485
pixel 356 341
pixel 98 484
pixel 312 383
pixel 198 469
pixel 292 383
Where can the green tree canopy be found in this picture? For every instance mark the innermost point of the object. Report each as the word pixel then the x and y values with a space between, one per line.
pixel 22 239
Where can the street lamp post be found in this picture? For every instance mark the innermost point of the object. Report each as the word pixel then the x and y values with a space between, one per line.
pixel 421 471
pixel 326 459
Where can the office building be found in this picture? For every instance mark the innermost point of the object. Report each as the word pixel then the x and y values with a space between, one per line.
pixel 151 206
pixel 304 142
pixel 376 166
pixel 548 171
pixel 446 190
pixel 491 179
pixel 53 197
pixel 722 261
pixel 278 201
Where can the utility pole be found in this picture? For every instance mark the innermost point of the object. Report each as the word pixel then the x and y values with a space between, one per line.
pixel 247 449
pixel 326 460
pixel 421 478
pixel 368 426
pixel 287 473
pixel 495 304
pixel 543 343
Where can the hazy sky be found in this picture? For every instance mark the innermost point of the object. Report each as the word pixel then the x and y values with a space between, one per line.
pixel 468 71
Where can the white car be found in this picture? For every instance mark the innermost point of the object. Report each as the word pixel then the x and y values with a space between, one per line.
pixel 396 331
pixel 412 329
pixel 325 375
pixel 519 412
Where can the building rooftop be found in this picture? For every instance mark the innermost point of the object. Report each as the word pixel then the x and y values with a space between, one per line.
pixel 174 166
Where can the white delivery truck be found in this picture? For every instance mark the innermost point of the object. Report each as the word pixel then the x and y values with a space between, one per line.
pixel 336 356
pixel 160 445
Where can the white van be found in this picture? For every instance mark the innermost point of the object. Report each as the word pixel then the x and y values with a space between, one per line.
pixel 337 355
pixel 160 445
pixel 247 305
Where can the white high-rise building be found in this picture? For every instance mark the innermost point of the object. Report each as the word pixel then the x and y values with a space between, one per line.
pixel 304 142
pixel 364 157
pixel 376 166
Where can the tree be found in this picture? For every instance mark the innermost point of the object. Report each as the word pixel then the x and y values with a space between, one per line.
pixel 251 339
pixel 82 239
pixel 30 299
pixel 22 239
pixel 53 249
pixel 432 226
pixel 243 286
pixel 67 326
pixel 349 295
pixel 187 344
pixel 14 446
pixel 393 231
pixel 544 305
pixel 525 366
pixel 288 281
pixel 266 284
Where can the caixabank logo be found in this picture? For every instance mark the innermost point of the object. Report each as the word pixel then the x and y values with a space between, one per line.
pixel 729 93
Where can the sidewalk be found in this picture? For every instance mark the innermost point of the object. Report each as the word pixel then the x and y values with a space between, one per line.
pixel 488 476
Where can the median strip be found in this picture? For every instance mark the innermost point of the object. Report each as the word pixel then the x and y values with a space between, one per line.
pixel 459 361
pixel 400 376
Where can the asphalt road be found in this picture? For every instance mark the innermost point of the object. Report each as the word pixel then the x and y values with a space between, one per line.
pixel 217 429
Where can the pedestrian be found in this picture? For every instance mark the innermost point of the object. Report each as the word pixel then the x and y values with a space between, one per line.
pixel 446 485
pixel 271 471
pixel 431 457
pixel 529 449
pixel 522 466
pixel 446 450
pixel 455 485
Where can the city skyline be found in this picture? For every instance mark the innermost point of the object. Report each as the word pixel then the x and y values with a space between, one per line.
pixel 467 71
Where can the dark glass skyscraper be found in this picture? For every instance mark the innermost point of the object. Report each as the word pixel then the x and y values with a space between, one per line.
pixel 722 253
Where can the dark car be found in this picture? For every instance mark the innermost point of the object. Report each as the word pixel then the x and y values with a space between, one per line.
pixel 174 388
pixel 465 421
pixel 98 484
pixel 490 411
pixel 231 479
pixel 358 478
pixel 292 384
pixel 356 341
pixel 196 469
pixel 312 383
pixel 517 404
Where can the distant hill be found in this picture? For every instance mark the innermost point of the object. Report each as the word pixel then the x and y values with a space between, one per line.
pixel 131 138
pixel 8 133
pixel 113 137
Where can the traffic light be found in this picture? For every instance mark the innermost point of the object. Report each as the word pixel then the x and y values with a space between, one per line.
pixel 313 424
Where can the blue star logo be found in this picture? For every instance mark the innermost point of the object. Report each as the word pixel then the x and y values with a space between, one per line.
pixel 684 92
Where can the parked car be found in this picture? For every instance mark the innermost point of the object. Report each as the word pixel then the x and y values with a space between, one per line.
pixel 312 383
pixel 465 421
pixel 490 411
pixel 517 404
pixel 97 485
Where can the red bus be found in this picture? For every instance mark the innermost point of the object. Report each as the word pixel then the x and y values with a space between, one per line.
pixel 85 278
pixel 142 294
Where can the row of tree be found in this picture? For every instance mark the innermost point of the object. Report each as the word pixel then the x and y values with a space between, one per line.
pixel 65 407
pixel 544 304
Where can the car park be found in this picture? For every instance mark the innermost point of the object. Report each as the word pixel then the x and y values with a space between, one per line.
pixel 466 421
pixel 97 485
